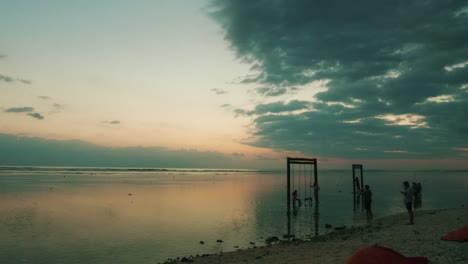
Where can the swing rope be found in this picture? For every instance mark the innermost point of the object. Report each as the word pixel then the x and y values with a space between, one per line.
pixel 292 175
pixel 305 181
pixel 299 192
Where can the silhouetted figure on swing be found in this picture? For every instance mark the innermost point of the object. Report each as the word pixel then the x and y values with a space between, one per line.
pixel 308 199
pixel 294 196
pixel 358 185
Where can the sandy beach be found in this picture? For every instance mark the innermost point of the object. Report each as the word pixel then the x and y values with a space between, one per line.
pixel 421 239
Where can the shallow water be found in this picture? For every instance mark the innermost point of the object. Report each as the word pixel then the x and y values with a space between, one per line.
pixel 57 215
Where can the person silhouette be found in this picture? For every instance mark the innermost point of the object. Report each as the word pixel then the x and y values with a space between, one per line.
pixel 358 185
pixel 408 200
pixel 295 198
pixel 367 198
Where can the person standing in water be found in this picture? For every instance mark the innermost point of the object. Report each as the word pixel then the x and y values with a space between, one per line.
pixel 408 200
pixel 367 198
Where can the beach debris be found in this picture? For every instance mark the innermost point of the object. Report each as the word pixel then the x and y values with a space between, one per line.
pixel 185 259
pixel 340 227
pixel 219 241
pixel 271 239
pixel 202 242
pixel 286 236
pixel 259 257
pixel 328 226
pixel 236 246
pixel 130 194
pixel 252 243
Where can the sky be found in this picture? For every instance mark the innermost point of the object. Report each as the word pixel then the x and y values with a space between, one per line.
pixel 241 83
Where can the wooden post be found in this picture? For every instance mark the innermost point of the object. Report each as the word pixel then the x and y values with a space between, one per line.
pixel 362 178
pixel 316 185
pixel 354 189
pixel 289 185
pixel 361 174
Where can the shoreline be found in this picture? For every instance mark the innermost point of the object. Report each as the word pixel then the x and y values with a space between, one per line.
pixel 420 239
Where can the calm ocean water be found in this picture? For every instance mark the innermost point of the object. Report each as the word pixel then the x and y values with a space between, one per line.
pixel 88 215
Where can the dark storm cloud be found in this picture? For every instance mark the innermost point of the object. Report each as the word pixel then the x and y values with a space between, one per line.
pixel 387 64
pixel 25 109
pixel 36 116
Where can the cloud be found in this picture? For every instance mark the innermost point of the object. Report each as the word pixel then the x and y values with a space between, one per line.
pixel 6 78
pixel 113 122
pixel 25 109
pixel 28 151
pixel 271 90
pixel 278 107
pixel 9 79
pixel 36 116
pixel 396 74
pixel 237 155
pixel 24 81
pixel 275 107
pixel 58 106
pixel 219 91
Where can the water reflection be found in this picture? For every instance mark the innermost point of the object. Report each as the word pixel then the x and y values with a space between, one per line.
pixel 295 223
pixel 88 223
pixel 148 217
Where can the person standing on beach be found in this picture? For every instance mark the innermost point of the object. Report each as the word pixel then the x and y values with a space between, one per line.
pixel 367 198
pixel 408 199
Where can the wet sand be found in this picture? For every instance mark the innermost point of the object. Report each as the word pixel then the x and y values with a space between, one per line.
pixel 420 239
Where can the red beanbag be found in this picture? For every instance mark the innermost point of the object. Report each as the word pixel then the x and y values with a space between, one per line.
pixel 383 255
pixel 459 235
